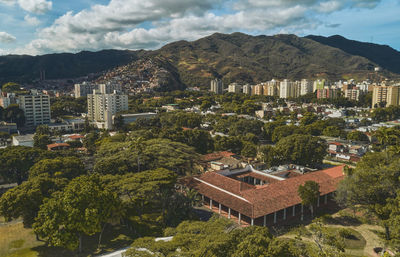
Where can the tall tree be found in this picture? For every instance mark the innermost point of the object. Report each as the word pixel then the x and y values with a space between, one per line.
pixel 17 160
pixel 14 114
pixel 309 194
pixel 25 200
pixel 60 167
pixel 301 149
pixel 372 185
pixel 80 209
pixel 42 137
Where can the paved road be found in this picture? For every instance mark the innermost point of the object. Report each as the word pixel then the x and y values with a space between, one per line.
pixel 114 254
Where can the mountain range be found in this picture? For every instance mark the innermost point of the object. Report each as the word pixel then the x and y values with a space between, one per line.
pixel 233 57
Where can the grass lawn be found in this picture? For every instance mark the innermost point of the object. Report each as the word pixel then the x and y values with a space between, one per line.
pixel 14 236
pixel 17 241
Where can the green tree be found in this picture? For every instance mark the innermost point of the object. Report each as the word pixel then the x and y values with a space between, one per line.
pixel 199 139
pixel 284 131
pixel 90 141
pixel 121 158
pixel 372 185
pixel 60 167
pixel 14 114
pixel 11 87
pixel 268 155
pixel 17 160
pixel 25 200
pixel 309 194
pixel 308 118
pixel 249 150
pixel 222 143
pixel 80 209
pixel 357 136
pixel 118 122
pixel 332 131
pixel 304 150
pixel 42 137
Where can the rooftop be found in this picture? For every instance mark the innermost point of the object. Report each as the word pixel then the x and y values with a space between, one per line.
pixel 256 201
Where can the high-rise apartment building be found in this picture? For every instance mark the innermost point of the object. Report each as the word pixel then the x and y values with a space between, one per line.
pixel 271 88
pixel 217 86
pixel 306 86
pixel 84 89
pixel 258 89
pixel 385 96
pixel 6 99
pixel 235 88
pixel 288 89
pixel 247 89
pixel 36 108
pixel 109 88
pixel 320 84
pixel 328 93
pixel 352 94
pixel 101 107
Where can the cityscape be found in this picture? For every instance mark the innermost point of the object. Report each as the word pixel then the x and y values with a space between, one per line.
pixel 186 128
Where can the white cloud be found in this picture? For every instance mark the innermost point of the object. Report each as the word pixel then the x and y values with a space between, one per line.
pixel 33 6
pixel 7 2
pixel 118 24
pixel 33 21
pixel 6 38
pixel 36 6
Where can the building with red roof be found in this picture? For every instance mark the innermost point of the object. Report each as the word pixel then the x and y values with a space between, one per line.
pixel 260 197
pixel 57 146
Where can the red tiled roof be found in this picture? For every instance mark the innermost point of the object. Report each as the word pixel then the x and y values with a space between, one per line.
pixel 76 137
pixel 51 146
pixel 335 143
pixel 258 201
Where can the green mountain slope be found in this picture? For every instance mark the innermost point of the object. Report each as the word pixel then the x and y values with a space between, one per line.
pixel 24 68
pixel 383 55
pixel 244 58
pixel 234 57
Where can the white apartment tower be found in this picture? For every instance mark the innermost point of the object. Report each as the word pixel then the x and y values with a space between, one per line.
pixel 217 86
pixel 306 86
pixel 109 88
pixel 36 108
pixel 247 89
pixel 84 89
pixel 288 89
pixel 101 107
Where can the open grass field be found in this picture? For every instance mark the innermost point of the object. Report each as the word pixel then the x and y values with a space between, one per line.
pixel 17 241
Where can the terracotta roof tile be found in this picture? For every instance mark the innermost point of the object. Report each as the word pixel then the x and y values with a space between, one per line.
pixel 257 201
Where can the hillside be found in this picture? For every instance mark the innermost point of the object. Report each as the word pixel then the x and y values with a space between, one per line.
pixel 234 57
pixel 383 55
pixel 244 58
pixel 24 68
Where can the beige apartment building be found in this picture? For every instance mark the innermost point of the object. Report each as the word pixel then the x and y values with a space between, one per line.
pixel 388 95
pixel 36 108
pixel 101 107
pixel 271 88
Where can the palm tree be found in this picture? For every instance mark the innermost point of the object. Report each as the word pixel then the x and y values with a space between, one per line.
pixel 192 196
pixel 137 145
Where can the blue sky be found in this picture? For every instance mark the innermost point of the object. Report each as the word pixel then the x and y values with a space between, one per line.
pixel 51 26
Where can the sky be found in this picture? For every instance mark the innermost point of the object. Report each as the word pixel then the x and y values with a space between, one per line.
pixel 37 27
